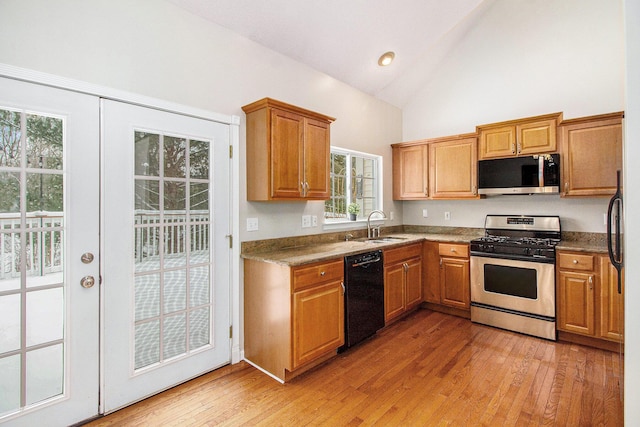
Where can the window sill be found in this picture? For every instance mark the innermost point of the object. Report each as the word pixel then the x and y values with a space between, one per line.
pixel 349 225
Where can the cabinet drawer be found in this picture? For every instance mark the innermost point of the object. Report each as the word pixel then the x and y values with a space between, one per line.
pixel 454 250
pixel 570 261
pixel 392 256
pixel 317 273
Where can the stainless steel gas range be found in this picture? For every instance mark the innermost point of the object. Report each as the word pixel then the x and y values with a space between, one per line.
pixel 513 274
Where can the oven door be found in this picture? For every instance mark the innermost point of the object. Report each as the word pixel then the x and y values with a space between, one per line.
pixel 526 287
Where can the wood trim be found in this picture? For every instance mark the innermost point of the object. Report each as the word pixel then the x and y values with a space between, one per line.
pixel 524 120
pixel 272 103
pixel 619 115
pixel 447 310
pixel 600 343
pixel 436 139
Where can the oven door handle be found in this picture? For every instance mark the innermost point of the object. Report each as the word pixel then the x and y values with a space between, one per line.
pixel 532 259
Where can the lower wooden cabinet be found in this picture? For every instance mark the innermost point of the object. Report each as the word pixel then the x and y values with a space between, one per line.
pixel 293 316
pixel 588 302
pixel 402 280
pixel 446 276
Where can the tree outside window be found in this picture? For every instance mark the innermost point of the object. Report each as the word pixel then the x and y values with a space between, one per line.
pixel 354 178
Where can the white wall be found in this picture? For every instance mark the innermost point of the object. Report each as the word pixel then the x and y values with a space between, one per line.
pixel 523 58
pixel 632 212
pixel 153 48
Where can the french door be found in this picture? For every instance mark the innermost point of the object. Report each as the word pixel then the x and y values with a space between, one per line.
pixel 49 270
pixel 166 254
pixel 114 257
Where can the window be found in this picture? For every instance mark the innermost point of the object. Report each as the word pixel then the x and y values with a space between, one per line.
pixel 354 178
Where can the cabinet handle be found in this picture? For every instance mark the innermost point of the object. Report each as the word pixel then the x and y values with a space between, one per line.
pixel 513 148
pixel 405 266
pixel 453 250
pixel 590 283
pixel 343 288
pixel 440 262
pixel 302 188
pixel 575 261
pixel 519 147
pixel 322 273
pixel 566 186
pixel 426 191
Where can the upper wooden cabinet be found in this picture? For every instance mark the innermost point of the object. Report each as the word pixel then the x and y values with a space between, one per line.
pixel 532 135
pixel 410 171
pixel 288 152
pixel 453 168
pixel 591 154
pixel 437 168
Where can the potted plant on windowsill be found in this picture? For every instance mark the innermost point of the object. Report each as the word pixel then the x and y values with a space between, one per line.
pixel 353 210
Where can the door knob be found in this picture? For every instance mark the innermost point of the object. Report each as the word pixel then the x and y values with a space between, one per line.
pixel 86 258
pixel 87 282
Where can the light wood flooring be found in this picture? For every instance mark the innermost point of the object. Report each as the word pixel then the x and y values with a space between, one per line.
pixel 429 369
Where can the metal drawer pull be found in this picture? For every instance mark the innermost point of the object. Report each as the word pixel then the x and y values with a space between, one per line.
pixel 575 261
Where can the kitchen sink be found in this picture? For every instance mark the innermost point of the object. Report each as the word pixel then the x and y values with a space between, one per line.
pixel 384 239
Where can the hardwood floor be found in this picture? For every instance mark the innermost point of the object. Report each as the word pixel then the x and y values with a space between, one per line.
pixel 428 369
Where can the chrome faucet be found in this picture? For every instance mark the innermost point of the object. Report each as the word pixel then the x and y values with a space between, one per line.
pixel 371 232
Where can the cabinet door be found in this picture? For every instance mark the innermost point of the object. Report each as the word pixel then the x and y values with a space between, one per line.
pixel 317 155
pixel 497 142
pixel 575 300
pixel 413 282
pixel 454 282
pixel 611 303
pixel 410 172
pixel 394 291
pixel 431 272
pixel 536 137
pixel 591 155
pixel 286 154
pixel 453 169
pixel 318 322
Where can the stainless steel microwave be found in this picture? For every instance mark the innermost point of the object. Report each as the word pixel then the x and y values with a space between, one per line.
pixel 520 175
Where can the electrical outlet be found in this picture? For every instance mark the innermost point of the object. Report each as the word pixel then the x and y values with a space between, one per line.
pixel 252 224
pixel 425 213
pixel 314 220
pixel 604 219
pixel 306 221
pixel 391 215
pixel 447 216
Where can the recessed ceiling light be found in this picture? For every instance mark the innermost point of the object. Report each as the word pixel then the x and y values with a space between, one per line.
pixel 386 59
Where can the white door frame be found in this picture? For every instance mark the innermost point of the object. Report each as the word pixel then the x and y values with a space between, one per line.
pixel 47 79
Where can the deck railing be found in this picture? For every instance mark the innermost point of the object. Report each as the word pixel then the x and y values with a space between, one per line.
pixel 43 239
pixel 176 229
pixel 43 252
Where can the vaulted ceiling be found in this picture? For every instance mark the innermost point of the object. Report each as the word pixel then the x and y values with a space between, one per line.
pixel 345 38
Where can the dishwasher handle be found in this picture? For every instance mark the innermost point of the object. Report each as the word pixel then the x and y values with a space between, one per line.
pixel 365 263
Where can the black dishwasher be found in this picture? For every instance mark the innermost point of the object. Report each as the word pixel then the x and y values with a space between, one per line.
pixel 364 297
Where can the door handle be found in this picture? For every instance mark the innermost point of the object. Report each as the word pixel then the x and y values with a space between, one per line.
pixel 87 282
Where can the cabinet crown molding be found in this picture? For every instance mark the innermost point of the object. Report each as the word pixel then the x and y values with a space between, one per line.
pixel 273 103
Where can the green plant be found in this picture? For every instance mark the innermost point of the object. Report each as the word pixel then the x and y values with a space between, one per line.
pixel 353 208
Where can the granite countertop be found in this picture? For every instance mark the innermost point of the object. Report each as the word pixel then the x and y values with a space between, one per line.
pixel 583 242
pixel 314 252
pixel 300 251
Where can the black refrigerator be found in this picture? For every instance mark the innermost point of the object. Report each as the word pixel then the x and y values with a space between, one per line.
pixel 615 230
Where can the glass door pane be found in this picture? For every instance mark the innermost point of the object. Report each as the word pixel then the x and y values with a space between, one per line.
pixel 32 232
pixel 171 244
